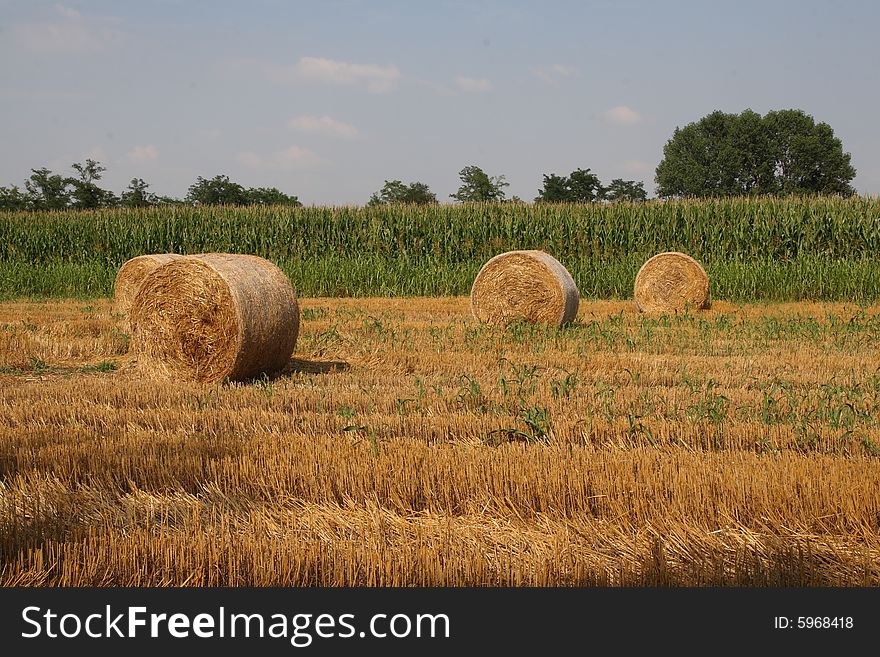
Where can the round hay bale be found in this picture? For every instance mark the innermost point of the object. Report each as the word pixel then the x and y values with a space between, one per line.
pixel 524 285
pixel 215 316
pixel 132 274
pixel 671 282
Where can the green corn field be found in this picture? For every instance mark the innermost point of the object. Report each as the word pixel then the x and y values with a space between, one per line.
pixel 820 248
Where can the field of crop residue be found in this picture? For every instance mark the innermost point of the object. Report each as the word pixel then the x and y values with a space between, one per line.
pixel 405 444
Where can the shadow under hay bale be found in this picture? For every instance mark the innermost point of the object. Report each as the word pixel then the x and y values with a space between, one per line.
pixel 671 282
pixel 302 366
pixel 215 316
pixel 524 285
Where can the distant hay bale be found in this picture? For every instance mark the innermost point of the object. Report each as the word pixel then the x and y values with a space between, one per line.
pixel 215 316
pixel 671 282
pixel 132 274
pixel 524 285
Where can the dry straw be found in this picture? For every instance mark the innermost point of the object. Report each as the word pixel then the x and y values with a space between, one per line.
pixel 524 285
pixel 215 316
pixel 670 282
pixel 132 274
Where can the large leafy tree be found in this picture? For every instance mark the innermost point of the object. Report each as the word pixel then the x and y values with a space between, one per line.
pixel 556 189
pixel 12 198
pixel 580 186
pixel 807 156
pixel 477 185
pixel 783 152
pixel 137 195
pixel 47 190
pixel 625 190
pixel 394 191
pixel 219 190
pixel 270 196
pixel 86 194
pixel 585 186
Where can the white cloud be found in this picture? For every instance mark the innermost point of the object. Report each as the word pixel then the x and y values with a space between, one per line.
pixel 142 153
pixel 472 84
pixel 323 125
pixel 461 84
pixel 622 115
pixel 67 12
pixel 562 70
pixel 553 73
pixel 69 34
pixel 436 87
pixel 293 157
pixel 376 79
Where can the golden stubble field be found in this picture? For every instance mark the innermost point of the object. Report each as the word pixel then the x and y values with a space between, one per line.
pixel 406 445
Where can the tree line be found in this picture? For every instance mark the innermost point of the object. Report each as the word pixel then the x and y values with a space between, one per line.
pixel 580 186
pixel 784 152
pixel 45 190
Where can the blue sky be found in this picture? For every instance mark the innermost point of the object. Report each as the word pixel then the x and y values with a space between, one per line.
pixel 327 100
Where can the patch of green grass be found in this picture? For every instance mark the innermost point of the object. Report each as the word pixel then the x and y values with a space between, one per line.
pixel 312 314
pixel 104 366
pixel 39 366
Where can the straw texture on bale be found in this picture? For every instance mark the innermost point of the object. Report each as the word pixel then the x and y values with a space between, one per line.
pixel 215 316
pixel 524 285
pixel 132 273
pixel 670 282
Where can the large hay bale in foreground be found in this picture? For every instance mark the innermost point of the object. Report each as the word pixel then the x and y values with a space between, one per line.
pixel 215 316
pixel 524 285
pixel 132 273
pixel 671 282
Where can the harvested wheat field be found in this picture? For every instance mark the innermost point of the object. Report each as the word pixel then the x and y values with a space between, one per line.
pixel 407 444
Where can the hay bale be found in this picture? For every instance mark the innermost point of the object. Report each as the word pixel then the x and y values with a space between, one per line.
pixel 671 282
pixel 524 285
pixel 215 316
pixel 132 274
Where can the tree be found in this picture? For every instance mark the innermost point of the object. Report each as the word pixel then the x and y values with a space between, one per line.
pixel 478 186
pixel 219 190
pixel 47 191
pixel 807 156
pixel 585 186
pixel 625 190
pixel 556 189
pixel 137 196
pixel 783 152
pixel 12 198
pixel 394 191
pixel 270 196
pixel 581 186
pixel 86 194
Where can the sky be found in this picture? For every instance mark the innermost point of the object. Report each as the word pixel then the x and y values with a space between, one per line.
pixel 328 100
